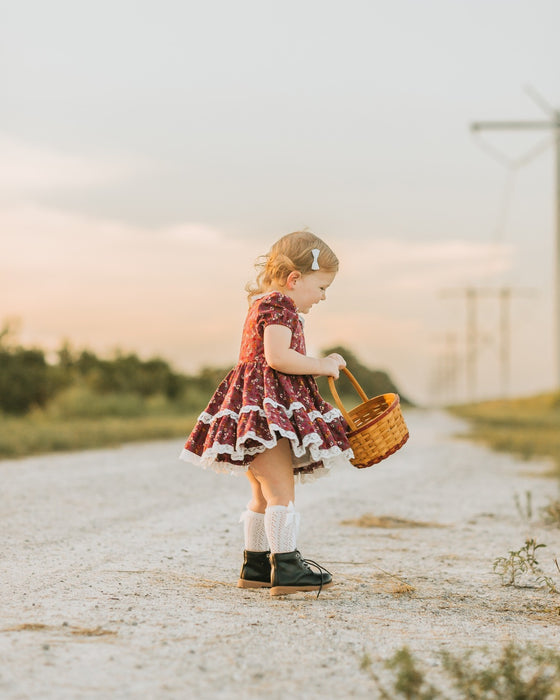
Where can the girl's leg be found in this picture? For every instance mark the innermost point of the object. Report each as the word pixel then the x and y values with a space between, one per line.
pixel 273 470
pixel 273 484
pixel 257 504
pixel 253 519
pixel 274 473
pixel 255 572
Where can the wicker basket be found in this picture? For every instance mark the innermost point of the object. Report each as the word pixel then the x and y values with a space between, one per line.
pixel 377 427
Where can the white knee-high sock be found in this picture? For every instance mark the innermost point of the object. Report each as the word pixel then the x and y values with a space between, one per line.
pixel 281 524
pixel 253 531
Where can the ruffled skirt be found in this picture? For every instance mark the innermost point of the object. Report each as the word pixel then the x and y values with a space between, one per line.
pixel 253 408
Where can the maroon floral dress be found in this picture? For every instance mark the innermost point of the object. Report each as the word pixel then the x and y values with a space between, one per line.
pixel 256 405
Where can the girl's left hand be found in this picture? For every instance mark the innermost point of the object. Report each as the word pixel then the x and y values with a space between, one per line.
pixel 338 359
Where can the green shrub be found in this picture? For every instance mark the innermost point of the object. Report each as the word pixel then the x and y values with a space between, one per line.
pixel 26 380
pixel 80 401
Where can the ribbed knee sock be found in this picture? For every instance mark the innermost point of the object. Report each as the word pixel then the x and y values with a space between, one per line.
pixel 281 524
pixel 254 531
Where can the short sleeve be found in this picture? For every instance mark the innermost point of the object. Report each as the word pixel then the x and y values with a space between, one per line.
pixel 278 310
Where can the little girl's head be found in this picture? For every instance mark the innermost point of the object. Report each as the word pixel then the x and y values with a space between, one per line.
pixel 301 252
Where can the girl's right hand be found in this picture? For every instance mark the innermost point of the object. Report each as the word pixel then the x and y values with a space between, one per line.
pixel 332 364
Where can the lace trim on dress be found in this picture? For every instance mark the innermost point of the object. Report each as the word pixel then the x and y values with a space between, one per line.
pixel 332 415
pixel 337 461
pixel 305 453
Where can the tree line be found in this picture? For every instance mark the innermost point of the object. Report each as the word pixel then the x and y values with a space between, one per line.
pixel 29 380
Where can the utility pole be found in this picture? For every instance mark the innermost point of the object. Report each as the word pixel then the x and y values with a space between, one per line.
pixel 450 367
pixel 446 370
pixel 505 338
pixel 554 124
pixel 471 336
pixel 504 295
pixel 471 295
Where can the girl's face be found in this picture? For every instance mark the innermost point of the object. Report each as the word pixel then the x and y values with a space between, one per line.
pixel 306 290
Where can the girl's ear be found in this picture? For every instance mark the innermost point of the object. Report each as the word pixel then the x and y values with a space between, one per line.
pixel 292 278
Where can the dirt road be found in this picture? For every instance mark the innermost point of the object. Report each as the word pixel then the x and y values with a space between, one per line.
pixel 118 571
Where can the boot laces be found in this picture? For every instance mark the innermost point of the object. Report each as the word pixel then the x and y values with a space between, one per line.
pixel 307 562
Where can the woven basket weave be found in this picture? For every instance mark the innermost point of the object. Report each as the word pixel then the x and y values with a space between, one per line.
pixel 377 427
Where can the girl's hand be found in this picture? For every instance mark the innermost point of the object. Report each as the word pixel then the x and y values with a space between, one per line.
pixel 341 361
pixel 331 364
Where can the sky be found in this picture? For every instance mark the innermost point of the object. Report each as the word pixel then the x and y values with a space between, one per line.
pixel 151 151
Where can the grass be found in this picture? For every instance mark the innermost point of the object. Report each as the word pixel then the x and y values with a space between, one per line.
pixel 526 672
pixel 528 427
pixel 79 419
pixel 20 437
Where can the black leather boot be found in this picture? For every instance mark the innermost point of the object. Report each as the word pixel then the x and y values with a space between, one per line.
pixel 255 572
pixel 291 573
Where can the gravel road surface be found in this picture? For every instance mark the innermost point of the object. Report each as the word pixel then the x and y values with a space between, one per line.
pixel 118 570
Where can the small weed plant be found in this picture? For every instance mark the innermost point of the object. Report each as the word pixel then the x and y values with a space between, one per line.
pixel 525 507
pixel 519 673
pixel 518 565
pixel 409 679
pixel 551 513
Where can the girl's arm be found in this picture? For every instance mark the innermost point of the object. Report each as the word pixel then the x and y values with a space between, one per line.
pixel 281 357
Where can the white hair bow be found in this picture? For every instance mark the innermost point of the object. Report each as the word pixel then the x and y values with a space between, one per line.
pixel 315 264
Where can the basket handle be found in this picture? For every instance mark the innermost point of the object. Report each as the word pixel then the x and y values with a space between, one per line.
pixel 339 403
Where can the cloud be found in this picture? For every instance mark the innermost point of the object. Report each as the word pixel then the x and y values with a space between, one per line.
pixel 177 291
pixel 425 265
pixel 27 169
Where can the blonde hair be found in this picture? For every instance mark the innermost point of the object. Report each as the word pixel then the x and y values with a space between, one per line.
pixel 289 254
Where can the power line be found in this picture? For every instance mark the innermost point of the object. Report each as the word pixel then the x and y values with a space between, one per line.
pixel 554 124
pixel 473 337
pixel 504 295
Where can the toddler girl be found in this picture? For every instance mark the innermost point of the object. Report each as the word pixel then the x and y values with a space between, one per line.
pixel 267 419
